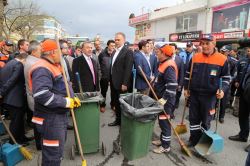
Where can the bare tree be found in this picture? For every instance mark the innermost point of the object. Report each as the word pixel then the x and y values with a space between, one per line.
pixel 2 4
pixel 21 18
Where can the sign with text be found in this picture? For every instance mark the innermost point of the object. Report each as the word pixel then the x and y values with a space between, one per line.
pixel 138 19
pixel 229 35
pixel 185 36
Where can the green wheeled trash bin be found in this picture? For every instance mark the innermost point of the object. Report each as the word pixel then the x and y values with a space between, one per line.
pixel 88 122
pixel 137 124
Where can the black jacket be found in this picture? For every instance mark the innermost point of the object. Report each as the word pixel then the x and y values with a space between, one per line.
pixel 105 60
pixel 12 84
pixel 181 68
pixel 81 66
pixel 122 68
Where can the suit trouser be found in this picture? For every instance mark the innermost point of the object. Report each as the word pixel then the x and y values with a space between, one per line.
pixel 16 121
pixel 201 111
pixel 244 111
pixel 178 96
pixel 116 95
pixel 104 83
pixel 223 104
pixel 165 131
pixel 53 136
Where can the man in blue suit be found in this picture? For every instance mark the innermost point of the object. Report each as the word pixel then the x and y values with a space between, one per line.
pixel 147 62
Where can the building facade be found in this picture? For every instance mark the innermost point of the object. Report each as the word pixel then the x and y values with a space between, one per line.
pixel 49 28
pixel 190 20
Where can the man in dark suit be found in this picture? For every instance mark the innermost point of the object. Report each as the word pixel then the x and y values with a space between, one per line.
pixel 121 67
pixel 87 69
pixel 12 90
pixel 180 79
pixel 143 59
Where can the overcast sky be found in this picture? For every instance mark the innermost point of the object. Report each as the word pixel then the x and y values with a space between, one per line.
pixel 90 17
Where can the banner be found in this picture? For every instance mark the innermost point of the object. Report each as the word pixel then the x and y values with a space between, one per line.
pixel 231 17
pixel 186 36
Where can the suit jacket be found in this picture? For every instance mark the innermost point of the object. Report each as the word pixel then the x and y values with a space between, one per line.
pixel 12 84
pixel 30 60
pixel 140 60
pixel 122 68
pixel 81 66
pixel 181 68
pixel 154 64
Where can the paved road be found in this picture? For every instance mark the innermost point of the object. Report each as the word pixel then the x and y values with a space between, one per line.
pixel 232 155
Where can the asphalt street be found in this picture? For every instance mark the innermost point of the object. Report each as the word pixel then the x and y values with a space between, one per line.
pixel 233 153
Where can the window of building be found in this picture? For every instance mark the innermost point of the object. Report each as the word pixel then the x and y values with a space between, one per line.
pixel 186 23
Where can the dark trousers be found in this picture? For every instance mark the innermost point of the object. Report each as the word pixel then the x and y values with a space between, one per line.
pixel 201 111
pixel 177 97
pixel 53 136
pixel 223 104
pixel 116 95
pixel 16 121
pixel 244 110
pixel 104 83
pixel 165 131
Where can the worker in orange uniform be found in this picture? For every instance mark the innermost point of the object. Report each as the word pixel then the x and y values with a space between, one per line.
pixel 51 103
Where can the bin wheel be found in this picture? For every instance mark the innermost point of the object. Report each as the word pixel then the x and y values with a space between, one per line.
pixel 104 150
pixel 72 153
pixel 116 147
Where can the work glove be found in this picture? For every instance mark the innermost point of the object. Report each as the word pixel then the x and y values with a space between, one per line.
pixel 72 102
pixel 77 102
pixel 162 101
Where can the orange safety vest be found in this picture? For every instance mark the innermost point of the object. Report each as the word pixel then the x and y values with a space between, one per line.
pixel 53 68
pixel 2 64
pixel 163 66
pixel 215 59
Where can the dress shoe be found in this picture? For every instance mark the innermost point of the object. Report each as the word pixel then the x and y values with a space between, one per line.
pixel 115 123
pixel 221 120
pixel 237 138
pixel 247 149
pixel 69 127
pixel 102 109
pixel 27 139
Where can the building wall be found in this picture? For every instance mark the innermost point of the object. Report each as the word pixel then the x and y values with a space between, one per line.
pixel 164 21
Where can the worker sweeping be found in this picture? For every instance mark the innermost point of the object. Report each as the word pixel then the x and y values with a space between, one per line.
pixel 51 103
pixel 208 67
pixel 165 86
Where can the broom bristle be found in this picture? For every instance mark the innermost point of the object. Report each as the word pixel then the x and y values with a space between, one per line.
pixel 186 150
pixel 84 163
pixel 26 154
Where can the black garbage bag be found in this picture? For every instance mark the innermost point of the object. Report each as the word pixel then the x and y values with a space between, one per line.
pixel 95 96
pixel 145 109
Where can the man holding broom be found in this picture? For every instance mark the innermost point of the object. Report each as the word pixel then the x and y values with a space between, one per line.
pixel 51 103
pixel 202 87
pixel 165 87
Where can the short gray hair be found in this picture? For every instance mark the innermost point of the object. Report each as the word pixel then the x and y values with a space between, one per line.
pixel 33 46
pixel 86 42
pixel 122 34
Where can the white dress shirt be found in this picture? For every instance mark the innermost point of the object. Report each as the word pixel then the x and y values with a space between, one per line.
pixel 117 51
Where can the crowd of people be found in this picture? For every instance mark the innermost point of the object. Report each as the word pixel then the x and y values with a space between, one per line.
pixel 32 85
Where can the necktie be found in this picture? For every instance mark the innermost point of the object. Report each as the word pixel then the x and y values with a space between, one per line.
pixel 91 69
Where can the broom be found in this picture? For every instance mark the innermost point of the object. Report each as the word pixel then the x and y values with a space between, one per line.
pixel 183 146
pixel 26 154
pixel 84 162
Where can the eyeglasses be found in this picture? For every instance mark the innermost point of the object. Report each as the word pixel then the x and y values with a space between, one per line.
pixel 117 39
